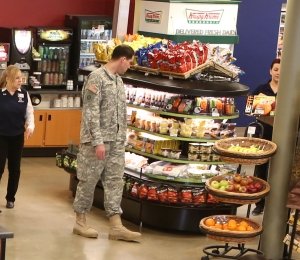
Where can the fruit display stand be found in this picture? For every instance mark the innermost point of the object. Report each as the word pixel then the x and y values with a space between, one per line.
pixel 237 189
pixel 249 230
pixel 179 216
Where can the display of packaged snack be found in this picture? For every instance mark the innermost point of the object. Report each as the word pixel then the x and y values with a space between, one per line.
pixel 134 189
pixel 152 193
pixel 134 161
pixel 198 196
pixel 260 105
pixel 172 195
pixel 162 194
pixel 143 191
pixel 186 196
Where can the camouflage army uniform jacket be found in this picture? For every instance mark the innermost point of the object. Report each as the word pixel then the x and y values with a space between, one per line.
pixel 104 108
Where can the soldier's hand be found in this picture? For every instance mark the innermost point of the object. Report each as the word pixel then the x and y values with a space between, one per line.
pixel 100 151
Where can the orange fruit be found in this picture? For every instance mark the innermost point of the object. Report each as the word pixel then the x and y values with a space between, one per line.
pixel 218 225
pixel 244 223
pixel 225 226
pixel 241 228
pixel 250 228
pixel 210 222
pixel 232 224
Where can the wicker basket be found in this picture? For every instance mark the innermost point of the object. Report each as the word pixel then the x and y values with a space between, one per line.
pixel 236 197
pixel 229 235
pixel 233 160
pixel 230 239
pixel 268 147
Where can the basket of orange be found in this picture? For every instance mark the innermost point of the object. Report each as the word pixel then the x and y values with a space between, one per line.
pixel 230 228
pixel 237 188
pixel 245 150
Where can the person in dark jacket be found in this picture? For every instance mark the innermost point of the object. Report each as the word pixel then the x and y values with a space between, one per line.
pixel 16 122
pixel 269 89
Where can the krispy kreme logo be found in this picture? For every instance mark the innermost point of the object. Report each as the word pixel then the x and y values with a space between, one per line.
pixel 153 16
pixel 204 17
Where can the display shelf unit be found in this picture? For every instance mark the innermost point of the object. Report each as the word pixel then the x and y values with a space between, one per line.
pixel 180 217
pixel 180 138
pixel 166 159
pixel 180 115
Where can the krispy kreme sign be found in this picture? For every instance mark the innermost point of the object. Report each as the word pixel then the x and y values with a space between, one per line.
pixel 204 17
pixel 153 16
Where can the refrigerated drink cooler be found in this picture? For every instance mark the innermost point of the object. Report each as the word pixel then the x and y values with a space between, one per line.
pixel 51 56
pixel 88 29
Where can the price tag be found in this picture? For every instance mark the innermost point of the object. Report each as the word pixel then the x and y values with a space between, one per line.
pixel 217 114
pixel 251 130
pixel 170 178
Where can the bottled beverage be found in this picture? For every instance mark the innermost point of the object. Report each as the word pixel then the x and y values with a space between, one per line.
pixel 46 79
pixel 53 65
pixel 41 51
pixel 55 79
pixel 62 66
pixel 50 78
pixel 60 78
pixel 48 69
pixel 55 55
pixel 44 65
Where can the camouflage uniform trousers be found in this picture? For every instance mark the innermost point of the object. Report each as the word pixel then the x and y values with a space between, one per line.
pixel 90 170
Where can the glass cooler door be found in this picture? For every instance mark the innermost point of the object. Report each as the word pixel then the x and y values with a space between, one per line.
pixel 54 64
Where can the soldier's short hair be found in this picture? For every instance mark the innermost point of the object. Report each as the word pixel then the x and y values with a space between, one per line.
pixel 122 50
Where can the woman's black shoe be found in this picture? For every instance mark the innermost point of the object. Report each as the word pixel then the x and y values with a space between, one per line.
pixel 10 204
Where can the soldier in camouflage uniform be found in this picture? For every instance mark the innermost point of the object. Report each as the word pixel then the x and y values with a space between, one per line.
pixel 102 145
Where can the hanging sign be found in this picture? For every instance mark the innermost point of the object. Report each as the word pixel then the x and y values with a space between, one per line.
pixel 188 18
pixel 153 16
pixel 55 35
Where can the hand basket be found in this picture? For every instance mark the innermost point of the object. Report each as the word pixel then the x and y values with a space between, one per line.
pixel 237 197
pixel 231 235
pixel 268 147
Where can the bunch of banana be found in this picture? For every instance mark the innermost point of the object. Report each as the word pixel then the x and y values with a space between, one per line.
pixel 35 53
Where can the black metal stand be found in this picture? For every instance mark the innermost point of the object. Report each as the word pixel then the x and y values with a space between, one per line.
pixel 288 254
pixel 215 249
pixel 226 249
pixel 4 234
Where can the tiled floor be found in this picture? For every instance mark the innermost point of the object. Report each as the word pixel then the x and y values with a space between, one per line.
pixel 42 222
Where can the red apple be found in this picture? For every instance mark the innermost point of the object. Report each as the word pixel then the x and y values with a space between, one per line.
pixel 258 185
pixel 250 179
pixel 251 188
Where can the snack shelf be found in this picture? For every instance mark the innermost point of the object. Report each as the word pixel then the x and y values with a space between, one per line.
pixel 172 137
pixel 191 87
pixel 170 216
pixel 166 159
pixel 165 113
pixel 181 180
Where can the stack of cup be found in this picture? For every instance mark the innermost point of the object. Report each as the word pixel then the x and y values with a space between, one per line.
pixel 70 85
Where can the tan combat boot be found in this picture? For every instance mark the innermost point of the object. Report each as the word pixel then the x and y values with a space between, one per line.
pixel 82 229
pixel 118 232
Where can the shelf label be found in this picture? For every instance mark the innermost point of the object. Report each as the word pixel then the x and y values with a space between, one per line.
pixel 251 130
